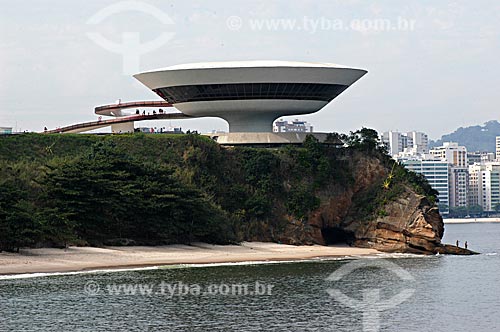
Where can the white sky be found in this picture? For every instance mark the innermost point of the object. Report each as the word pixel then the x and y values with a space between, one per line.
pixel 443 74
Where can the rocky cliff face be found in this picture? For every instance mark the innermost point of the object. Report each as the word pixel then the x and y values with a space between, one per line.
pixel 410 223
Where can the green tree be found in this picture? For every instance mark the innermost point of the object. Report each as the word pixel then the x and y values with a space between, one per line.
pixel 19 225
pixel 108 195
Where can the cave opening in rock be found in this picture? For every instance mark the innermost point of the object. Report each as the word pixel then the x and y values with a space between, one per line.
pixel 337 235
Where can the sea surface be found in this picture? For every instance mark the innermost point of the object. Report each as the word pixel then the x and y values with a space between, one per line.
pixel 396 293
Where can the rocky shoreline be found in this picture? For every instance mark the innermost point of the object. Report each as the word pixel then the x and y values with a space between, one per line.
pixel 411 223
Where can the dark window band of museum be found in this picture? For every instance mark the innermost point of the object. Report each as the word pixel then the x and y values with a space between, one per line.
pixel 241 91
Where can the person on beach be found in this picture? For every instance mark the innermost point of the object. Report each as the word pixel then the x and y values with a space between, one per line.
pixel 458 242
pixel 466 244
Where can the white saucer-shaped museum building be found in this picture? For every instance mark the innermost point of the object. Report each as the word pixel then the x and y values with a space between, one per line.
pixel 250 95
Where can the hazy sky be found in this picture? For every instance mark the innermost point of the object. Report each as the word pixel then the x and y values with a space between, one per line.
pixel 435 67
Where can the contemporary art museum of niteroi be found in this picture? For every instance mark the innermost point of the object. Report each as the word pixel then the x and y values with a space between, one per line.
pixel 249 95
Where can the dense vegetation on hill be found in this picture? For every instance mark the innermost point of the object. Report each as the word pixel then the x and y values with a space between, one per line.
pixel 159 189
pixel 475 138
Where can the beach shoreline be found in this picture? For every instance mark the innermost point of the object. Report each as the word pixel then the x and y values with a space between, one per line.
pixel 81 259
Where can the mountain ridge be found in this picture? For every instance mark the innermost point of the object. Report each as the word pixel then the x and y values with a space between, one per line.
pixel 474 138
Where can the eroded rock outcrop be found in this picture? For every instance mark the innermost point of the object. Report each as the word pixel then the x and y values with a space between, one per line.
pixel 410 223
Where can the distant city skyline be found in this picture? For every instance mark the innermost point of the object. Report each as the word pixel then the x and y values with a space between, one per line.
pixel 466 181
pixel 430 65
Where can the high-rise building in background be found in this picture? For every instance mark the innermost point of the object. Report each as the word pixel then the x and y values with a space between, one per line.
pixel 437 172
pixel 480 157
pixel 408 144
pixel 459 186
pixel 484 184
pixel 474 181
pixel 487 157
pixel 393 142
pixel 451 152
pixel 497 148
pixel 445 167
pixel 295 126
pixel 420 142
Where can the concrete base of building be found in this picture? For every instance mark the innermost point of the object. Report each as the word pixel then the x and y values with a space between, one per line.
pixel 250 138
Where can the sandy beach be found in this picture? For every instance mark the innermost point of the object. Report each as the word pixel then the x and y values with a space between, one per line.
pixel 87 258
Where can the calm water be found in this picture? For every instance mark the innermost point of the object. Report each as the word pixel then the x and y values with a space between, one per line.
pixel 451 294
